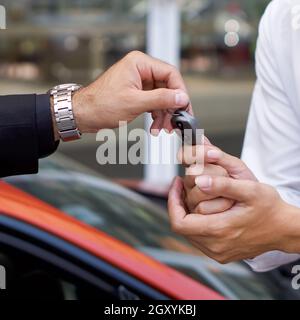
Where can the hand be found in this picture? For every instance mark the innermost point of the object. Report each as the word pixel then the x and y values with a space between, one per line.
pixel 196 200
pixel 258 222
pixel 199 202
pixel 134 85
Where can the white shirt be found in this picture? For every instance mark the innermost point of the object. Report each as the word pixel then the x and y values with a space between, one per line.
pixel 272 143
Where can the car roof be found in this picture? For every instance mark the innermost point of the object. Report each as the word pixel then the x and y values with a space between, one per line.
pixel 22 206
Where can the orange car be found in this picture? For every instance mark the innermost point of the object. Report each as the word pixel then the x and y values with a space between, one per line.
pixel 80 236
pixel 49 254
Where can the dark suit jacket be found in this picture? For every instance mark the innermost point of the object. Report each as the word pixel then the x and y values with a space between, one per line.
pixel 26 133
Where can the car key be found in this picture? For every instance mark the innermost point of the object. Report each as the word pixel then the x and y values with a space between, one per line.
pixel 188 126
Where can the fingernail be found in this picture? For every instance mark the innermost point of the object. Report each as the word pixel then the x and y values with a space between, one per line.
pixel 214 154
pixel 203 182
pixel 194 170
pixel 155 132
pixel 182 99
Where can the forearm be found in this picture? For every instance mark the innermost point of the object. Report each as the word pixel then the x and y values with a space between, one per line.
pixel 26 133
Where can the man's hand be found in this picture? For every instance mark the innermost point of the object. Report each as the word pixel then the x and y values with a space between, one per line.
pixel 196 200
pixel 258 221
pixel 136 84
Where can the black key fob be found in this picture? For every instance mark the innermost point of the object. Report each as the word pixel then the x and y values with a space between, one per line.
pixel 188 126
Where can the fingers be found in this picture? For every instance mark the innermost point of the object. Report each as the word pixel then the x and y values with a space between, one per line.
pixel 182 222
pixel 161 99
pixel 195 197
pixel 157 124
pixel 235 167
pixel 238 190
pixel 162 71
pixel 176 206
pixel 209 169
pixel 214 206
pixel 195 224
pixel 190 155
pixel 207 153
pixel 165 87
pixel 191 224
pixel 160 102
pixel 193 194
pixel 155 71
pixel 161 120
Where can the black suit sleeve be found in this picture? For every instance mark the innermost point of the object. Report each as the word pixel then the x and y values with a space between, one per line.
pixel 26 133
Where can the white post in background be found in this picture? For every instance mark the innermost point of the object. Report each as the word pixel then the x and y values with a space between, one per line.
pixel 163 42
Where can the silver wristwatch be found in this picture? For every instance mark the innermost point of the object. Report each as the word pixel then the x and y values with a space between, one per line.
pixel 63 110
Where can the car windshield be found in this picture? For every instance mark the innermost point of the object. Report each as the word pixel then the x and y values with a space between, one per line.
pixel 136 221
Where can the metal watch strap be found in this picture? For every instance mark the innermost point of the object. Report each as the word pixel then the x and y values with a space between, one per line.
pixel 63 110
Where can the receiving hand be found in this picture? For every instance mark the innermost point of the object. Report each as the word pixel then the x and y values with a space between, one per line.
pixel 253 225
pixel 227 166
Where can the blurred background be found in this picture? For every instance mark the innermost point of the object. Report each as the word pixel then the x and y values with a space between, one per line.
pixel 48 42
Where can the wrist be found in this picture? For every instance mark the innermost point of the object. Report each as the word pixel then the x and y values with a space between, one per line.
pixel 290 233
pixel 80 102
pixel 63 119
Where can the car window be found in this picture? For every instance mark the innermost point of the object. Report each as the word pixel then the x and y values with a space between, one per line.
pixel 31 278
pixel 97 202
pixel 137 222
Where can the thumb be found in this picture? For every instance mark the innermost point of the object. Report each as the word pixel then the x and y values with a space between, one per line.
pixel 238 190
pixel 162 99
pixel 176 207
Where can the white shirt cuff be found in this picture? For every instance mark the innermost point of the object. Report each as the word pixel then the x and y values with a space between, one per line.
pixel 271 260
